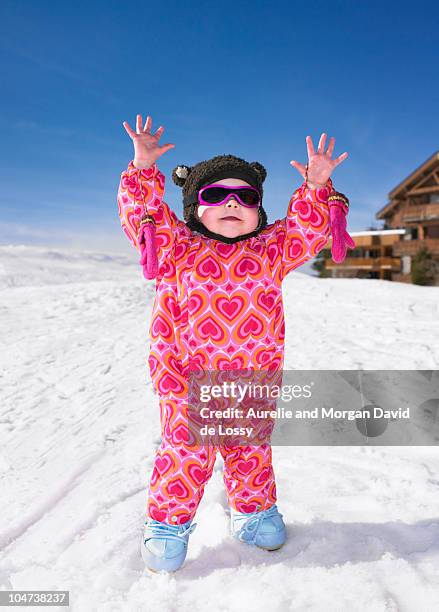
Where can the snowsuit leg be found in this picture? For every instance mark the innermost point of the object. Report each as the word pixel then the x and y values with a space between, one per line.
pixel 249 477
pixel 248 471
pixel 181 471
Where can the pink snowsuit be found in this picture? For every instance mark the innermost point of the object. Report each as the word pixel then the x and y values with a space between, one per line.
pixel 217 306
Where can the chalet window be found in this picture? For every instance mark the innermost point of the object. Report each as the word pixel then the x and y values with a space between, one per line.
pixel 434 197
pixel 411 233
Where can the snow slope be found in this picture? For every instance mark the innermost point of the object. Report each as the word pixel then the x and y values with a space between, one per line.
pixel 79 427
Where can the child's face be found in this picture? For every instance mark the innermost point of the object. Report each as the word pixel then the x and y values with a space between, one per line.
pixel 214 217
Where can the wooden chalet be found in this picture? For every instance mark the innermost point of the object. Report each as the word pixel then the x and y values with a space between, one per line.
pixel 410 222
pixel 372 258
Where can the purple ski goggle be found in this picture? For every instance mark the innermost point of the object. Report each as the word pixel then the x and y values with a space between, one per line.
pixel 215 195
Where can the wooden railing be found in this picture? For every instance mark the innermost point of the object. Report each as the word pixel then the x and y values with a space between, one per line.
pixel 410 247
pixel 366 262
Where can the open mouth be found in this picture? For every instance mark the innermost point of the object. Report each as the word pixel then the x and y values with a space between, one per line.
pixel 230 218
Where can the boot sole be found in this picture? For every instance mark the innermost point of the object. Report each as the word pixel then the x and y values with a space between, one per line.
pixel 153 571
pixel 276 548
pixel 256 545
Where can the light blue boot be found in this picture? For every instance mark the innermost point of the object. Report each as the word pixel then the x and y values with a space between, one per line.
pixel 164 546
pixel 264 529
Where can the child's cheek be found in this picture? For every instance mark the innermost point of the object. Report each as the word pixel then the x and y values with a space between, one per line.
pixel 202 211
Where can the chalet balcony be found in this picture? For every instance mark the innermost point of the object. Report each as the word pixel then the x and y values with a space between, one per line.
pixel 411 247
pixel 366 263
pixel 420 213
pixel 419 218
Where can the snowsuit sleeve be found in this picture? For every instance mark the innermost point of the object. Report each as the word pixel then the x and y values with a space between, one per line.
pixel 141 192
pixel 306 228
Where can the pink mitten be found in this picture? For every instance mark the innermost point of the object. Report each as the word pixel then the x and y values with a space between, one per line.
pixel 146 239
pixel 148 250
pixel 341 241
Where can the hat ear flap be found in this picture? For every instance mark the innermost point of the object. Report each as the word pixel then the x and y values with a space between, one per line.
pixel 180 174
pixel 260 170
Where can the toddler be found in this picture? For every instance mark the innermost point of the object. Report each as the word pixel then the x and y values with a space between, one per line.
pixel 218 306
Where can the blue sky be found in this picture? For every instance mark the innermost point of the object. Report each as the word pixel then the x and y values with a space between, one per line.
pixel 248 78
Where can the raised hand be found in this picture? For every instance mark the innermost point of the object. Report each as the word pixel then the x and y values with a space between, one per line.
pixel 146 145
pixel 320 165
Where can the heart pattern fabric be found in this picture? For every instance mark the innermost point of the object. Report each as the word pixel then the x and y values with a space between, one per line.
pixel 217 307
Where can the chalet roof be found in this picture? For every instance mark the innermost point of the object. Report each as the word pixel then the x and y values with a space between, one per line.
pixel 327 247
pixel 423 170
pixel 378 232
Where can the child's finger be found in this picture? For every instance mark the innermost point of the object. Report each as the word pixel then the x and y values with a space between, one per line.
pixel 310 146
pixel 139 124
pixel 321 147
pixel 330 146
pixel 166 147
pixel 340 158
pixel 147 124
pixel 159 131
pixel 129 130
pixel 300 167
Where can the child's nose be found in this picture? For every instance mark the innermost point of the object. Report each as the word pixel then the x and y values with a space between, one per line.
pixel 232 203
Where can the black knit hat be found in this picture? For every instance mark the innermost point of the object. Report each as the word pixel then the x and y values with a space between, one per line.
pixel 193 178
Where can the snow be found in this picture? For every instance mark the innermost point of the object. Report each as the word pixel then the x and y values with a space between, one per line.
pixel 79 427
